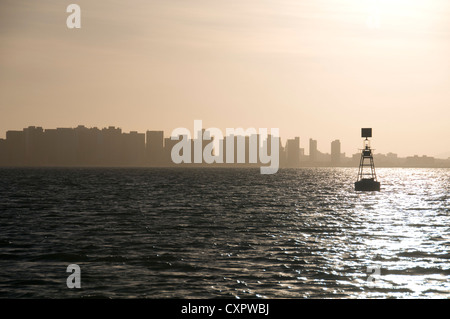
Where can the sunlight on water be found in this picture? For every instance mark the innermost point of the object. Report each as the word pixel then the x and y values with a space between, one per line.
pixel 189 233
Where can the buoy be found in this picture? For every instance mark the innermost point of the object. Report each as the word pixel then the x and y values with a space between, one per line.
pixel 367 178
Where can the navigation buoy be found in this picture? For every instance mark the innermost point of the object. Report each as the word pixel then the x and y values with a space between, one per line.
pixel 367 178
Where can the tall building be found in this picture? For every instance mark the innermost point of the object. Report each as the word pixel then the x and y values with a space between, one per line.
pixel 15 146
pixel 155 148
pixel 51 147
pixel 312 150
pixel 133 148
pixel 230 146
pixel 168 145
pixel 335 152
pixel 293 152
pixel 66 144
pixel 198 145
pixel 3 152
pixel 111 146
pixel 88 146
pixel 252 149
pixel 282 153
pixel 34 146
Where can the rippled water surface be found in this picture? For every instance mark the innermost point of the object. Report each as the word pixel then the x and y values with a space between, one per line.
pixel 206 233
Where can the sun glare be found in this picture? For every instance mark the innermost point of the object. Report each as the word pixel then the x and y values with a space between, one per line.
pixel 381 11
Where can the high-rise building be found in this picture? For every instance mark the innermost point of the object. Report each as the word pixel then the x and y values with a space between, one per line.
pixel 50 147
pixel 198 144
pixel 312 150
pixel 335 152
pixel 168 145
pixel 253 145
pixel 230 146
pixel 66 144
pixel 154 148
pixel 34 146
pixel 3 153
pixel 133 148
pixel 88 146
pixel 15 146
pixel 111 146
pixel 293 152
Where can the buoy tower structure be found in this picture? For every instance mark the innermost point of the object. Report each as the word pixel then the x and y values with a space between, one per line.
pixel 367 178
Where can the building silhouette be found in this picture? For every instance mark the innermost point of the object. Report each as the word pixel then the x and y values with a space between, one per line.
pixel 15 147
pixel 110 147
pixel 312 150
pixel 335 153
pixel 293 152
pixel 155 148
pixel 168 145
pixel 133 149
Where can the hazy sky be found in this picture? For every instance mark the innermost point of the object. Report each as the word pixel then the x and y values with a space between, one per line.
pixel 318 69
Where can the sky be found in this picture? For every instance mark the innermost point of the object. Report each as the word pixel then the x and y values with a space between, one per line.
pixel 319 69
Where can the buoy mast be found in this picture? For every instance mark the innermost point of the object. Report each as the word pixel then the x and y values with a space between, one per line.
pixel 367 179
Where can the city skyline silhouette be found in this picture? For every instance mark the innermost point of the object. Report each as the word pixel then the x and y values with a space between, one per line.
pixel 111 147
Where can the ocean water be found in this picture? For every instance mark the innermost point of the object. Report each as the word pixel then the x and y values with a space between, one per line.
pixel 224 233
